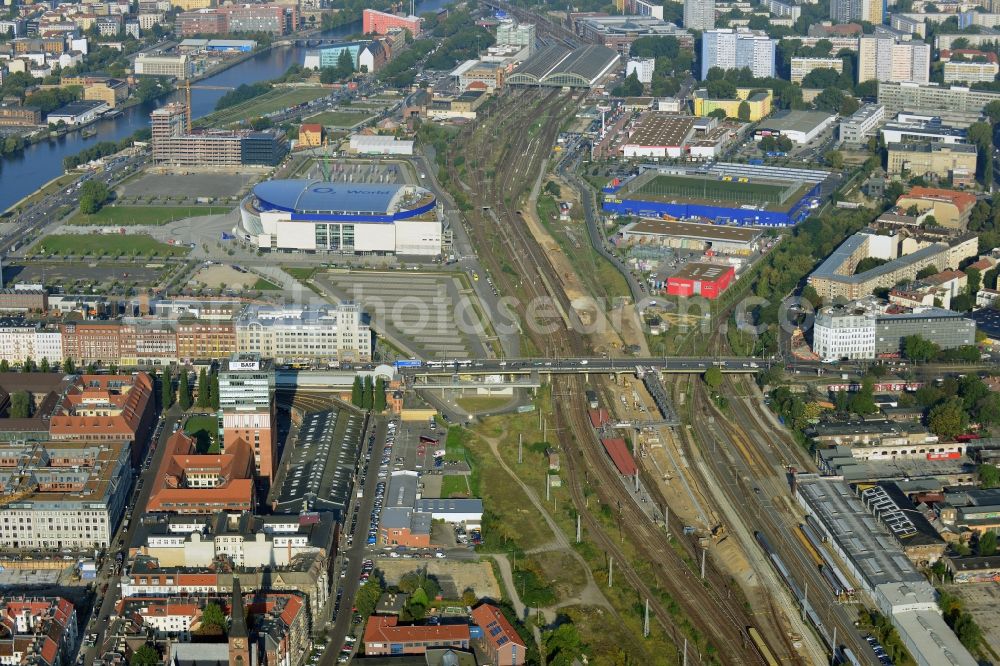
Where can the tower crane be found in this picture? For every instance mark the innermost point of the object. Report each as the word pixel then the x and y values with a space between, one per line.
pixel 187 97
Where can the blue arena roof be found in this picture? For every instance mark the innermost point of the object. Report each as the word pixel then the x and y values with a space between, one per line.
pixel 322 200
pixel 298 196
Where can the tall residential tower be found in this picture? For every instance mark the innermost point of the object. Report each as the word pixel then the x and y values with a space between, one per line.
pixel 699 14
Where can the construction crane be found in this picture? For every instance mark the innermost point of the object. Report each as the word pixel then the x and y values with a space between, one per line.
pixel 187 97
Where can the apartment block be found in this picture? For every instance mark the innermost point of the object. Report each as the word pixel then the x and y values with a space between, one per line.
pixel 21 342
pixel 884 57
pixel 802 66
pixel 953 104
pixel 147 343
pixel 977 67
pixel 736 49
pixel 199 340
pixel 699 14
pixel 941 160
pixel 63 494
pixel 846 11
pixel 38 630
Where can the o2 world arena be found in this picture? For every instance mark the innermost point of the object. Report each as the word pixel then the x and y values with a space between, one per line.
pixel 344 218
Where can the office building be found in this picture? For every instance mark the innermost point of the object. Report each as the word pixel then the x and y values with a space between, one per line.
pixel 380 23
pixel 173 145
pixel 203 339
pixel 147 343
pixel 936 159
pixel 63 494
pixel 190 24
pixel 385 636
pixel 618 32
pixel 802 66
pixel 16 116
pixel 953 104
pixel 883 57
pixel 189 482
pixel 110 91
pixel 862 124
pixel 521 35
pixel 246 402
pixel 699 14
pixel 296 335
pixel 915 128
pixel 847 11
pixel 842 332
pixel 736 49
pixel 177 67
pixel 272 19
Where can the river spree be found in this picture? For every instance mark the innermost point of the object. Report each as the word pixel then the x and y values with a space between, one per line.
pixel 22 174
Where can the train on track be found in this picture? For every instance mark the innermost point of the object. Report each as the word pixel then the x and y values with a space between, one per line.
pixel 762 649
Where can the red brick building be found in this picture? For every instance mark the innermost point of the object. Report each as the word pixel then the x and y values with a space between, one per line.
pixel 92 341
pixel 500 641
pixel 384 636
pixel 378 23
pixel 192 483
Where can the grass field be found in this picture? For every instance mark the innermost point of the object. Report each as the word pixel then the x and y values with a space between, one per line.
pixel 274 100
pixel 454 485
pixel 108 244
pixel 142 215
pixel 205 429
pixel 338 118
pixel 301 273
pixel 455 443
pixel 482 403
pixel 265 285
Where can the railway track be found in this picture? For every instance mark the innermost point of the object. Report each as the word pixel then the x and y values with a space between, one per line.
pixel 496 227
pixel 756 479
pixel 708 605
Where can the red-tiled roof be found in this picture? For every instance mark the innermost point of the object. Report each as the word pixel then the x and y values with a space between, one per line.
pixel 496 629
pixel 962 200
pixel 383 629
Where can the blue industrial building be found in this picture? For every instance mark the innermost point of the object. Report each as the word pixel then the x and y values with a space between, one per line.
pixel 621 201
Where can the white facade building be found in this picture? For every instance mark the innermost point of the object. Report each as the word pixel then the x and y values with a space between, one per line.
pixel 839 333
pixel 292 335
pixel 736 49
pixel 377 144
pixel 643 68
pixel 862 124
pixel 18 343
pixel 699 14
pixel 802 66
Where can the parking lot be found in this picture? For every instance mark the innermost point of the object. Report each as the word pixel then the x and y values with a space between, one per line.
pixel 68 274
pixel 175 187
pixel 418 309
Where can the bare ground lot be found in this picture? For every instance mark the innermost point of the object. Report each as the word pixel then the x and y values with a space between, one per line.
pixel 68 274
pixel 453 576
pixel 215 185
pixel 218 275
pixel 982 601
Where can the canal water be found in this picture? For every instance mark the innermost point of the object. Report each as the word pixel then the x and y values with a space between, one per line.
pixel 20 175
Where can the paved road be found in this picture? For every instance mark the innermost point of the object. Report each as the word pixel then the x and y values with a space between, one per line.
pixel 140 495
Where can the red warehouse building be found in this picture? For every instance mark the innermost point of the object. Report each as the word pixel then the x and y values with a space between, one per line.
pixel 706 280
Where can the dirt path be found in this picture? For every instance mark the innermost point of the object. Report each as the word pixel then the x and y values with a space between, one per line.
pixel 590 594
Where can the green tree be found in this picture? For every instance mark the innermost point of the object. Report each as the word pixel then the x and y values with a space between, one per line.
pixel 213 619
pixel 743 111
pixel 981 134
pixel 379 397
pixel 917 348
pixel 989 476
pixel 184 391
pixel 713 378
pixel 927 271
pixel 975 280
pixel 835 159
pixel 203 390
pixel 20 405
pixel 417 604
pixel 368 596
pixel 987 545
pixel 632 86
pixel 948 418
pixel 146 655
pixel 863 402
pixel 563 645
pixel 369 396
pixel 358 392
pixel 167 389
pixel 987 411
pixel 67 366
pixel 43 365
pixel 213 386
pixel 28 365
pixel 4 365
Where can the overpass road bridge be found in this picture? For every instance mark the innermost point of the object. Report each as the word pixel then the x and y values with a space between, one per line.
pixel 424 371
